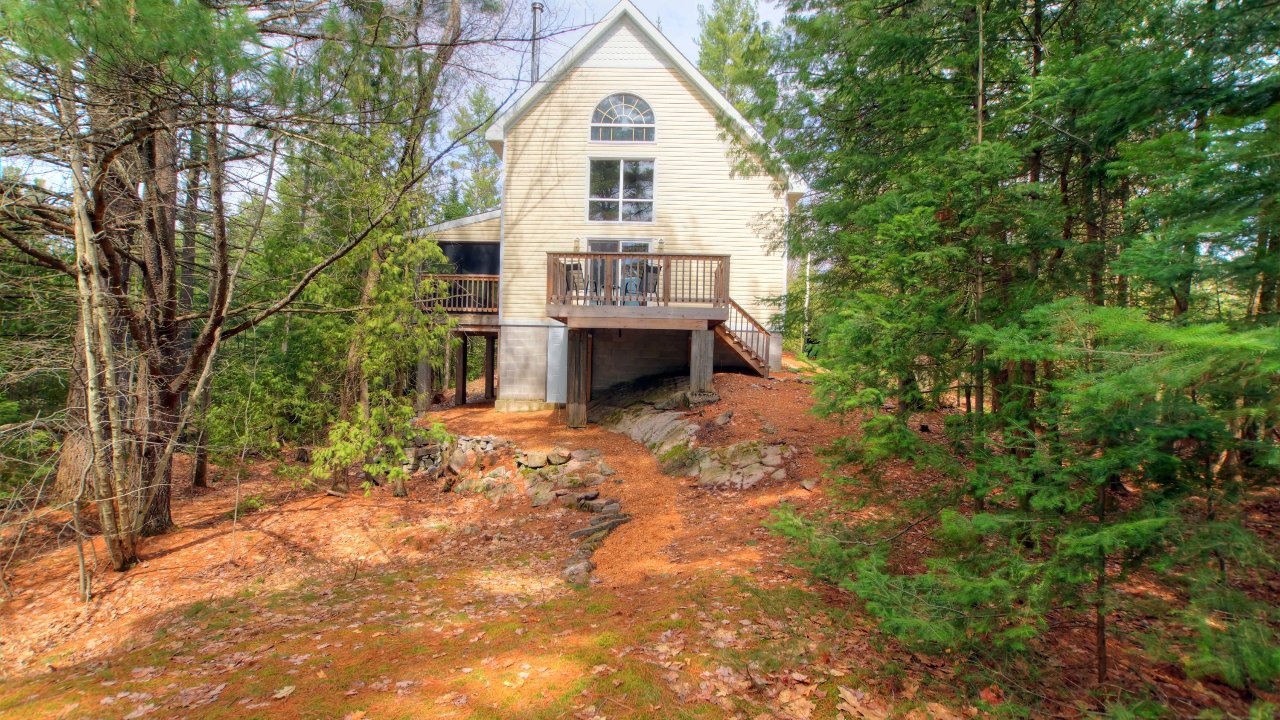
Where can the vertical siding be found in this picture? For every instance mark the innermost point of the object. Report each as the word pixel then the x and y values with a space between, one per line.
pixel 701 206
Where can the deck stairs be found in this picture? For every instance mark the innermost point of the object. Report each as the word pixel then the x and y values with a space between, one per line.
pixel 746 337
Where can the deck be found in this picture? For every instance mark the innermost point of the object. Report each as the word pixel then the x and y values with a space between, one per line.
pixel 472 300
pixel 656 291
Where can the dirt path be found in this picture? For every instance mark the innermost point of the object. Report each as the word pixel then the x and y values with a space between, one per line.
pixel 678 530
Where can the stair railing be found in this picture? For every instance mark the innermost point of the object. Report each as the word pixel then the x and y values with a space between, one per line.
pixel 753 336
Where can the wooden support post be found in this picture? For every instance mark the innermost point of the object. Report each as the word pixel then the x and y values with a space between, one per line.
pixel 460 372
pixel 702 347
pixel 424 383
pixel 578 385
pixel 490 344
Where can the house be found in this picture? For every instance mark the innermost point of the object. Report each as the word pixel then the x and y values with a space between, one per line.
pixel 629 242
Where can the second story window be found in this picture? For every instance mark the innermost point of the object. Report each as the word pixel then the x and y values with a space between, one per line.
pixel 620 191
pixel 622 118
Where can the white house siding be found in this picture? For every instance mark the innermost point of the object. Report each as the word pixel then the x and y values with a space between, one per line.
pixel 701 205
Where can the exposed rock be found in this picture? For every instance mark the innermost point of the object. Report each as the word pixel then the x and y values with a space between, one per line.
pixel 723 418
pixel 714 477
pixel 540 493
pixel 558 456
pixel 773 456
pixel 461 460
pixel 599 505
pixel 658 431
pixel 493 486
pixel 302 455
pixel 578 573
pixel 605 526
pixel 742 466
pixel 749 476
pixel 589 454
pixel 693 399
pixel 534 460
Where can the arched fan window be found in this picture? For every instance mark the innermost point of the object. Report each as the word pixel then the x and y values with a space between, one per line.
pixel 622 118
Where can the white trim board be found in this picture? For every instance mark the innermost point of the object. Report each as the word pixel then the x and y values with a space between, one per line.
pixel 624 11
pixel 461 222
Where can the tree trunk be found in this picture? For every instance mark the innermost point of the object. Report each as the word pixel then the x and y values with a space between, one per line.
pixel 355 388
pixel 76 453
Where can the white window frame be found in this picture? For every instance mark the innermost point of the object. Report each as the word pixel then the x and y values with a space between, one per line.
pixel 591 125
pixel 622 159
pixel 648 241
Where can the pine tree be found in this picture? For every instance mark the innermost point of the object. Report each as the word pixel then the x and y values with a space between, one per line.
pixel 479 166
pixel 733 48
pixel 1061 219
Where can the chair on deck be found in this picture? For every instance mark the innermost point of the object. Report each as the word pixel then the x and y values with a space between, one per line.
pixel 575 282
pixel 651 279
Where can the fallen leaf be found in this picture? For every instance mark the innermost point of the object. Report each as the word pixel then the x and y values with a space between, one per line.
pixel 283 692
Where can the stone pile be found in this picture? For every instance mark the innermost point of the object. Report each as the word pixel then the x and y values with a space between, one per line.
pixel 467 464
pixel 495 485
pixel 561 472
pixel 577 569
pixel 457 456
pixel 572 478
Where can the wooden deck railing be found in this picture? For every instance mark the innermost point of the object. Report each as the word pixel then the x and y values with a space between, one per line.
pixel 637 279
pixel 463 293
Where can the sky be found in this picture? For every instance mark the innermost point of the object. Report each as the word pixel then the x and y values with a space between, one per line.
pixel 677 18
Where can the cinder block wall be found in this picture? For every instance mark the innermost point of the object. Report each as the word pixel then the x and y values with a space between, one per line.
pixel 522 364
pixel 623 355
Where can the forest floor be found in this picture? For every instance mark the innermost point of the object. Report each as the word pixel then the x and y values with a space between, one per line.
pixel 447 605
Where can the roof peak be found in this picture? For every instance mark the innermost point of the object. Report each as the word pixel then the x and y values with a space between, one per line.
pixel 626 10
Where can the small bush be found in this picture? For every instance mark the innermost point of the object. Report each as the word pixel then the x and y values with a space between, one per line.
pixel 248 505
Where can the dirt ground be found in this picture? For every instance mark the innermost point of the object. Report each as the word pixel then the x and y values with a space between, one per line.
pixel 232 602
pixel 304 605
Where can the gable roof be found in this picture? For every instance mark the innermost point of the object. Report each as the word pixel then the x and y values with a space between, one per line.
pixel 620 13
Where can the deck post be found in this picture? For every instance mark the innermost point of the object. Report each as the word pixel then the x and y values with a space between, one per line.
pixel 460 371
pixel 701 357
pixel 490 344
pixel 424 385
pixel 578 385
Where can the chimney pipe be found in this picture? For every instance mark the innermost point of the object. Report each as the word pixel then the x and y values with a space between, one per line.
pixel 537 29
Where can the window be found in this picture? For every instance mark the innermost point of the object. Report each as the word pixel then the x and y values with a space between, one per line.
pixel 622 118
pixel 620 191
pixel 626 246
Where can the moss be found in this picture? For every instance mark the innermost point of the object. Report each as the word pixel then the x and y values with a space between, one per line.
pixel 679 458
